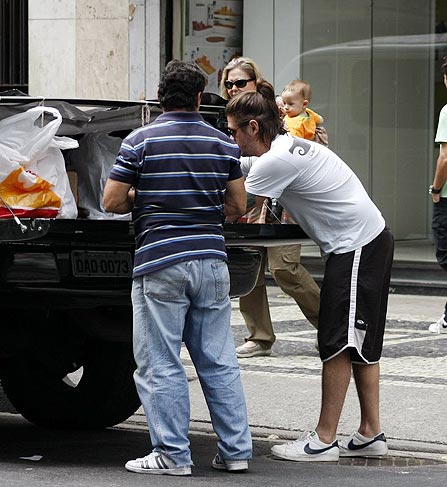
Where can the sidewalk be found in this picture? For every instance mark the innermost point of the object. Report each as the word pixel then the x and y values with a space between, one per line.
pixel 283 390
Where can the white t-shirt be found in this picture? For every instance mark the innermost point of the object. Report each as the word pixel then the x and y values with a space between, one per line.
pixel 441 138
pixel 319 191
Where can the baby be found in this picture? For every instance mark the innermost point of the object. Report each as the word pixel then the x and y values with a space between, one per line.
pixel 299 120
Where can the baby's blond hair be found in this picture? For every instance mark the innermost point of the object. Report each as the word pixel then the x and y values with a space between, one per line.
pixel 299 87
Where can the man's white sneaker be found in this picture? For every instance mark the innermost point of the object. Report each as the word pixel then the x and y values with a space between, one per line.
pixel 252 349
pixel 229 465
pixel 439 327
pixel 308 448
pixel 358 445
pixel 157 463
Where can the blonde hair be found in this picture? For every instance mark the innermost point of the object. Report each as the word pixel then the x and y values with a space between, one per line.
pixel 244 63
pixel 299 87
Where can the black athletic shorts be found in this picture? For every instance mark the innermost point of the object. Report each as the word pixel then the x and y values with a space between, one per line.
pixel 354 299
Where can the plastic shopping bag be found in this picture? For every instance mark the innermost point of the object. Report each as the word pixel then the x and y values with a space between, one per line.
pixel 23 193
pixel 33 178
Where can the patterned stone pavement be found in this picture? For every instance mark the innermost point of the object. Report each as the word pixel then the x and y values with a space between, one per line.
pixel 411 354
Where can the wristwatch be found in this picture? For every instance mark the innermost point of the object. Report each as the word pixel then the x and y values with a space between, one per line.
pixel 433 190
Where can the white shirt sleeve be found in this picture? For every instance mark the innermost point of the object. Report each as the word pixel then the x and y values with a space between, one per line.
pixel 270 176
pixel 441 133
pixel 246 164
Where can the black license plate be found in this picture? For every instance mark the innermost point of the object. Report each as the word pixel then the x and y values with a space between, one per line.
pixel 92 263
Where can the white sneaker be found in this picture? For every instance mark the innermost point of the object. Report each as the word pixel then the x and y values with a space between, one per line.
pixel 358 445
pixel 308 448
pixel 157 463
pixel 439 327
pixel 252 349
pixel 229 465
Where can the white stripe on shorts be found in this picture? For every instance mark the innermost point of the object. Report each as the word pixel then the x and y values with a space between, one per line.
pixel 352 342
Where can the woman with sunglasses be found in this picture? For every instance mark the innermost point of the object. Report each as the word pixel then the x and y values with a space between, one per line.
pixel 242 74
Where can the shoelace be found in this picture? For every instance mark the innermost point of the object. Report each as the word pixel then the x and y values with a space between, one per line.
pixel 307 435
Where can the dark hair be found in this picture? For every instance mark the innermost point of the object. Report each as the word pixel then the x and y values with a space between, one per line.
pixel 179 85
pixel 259 105
pixel 444 66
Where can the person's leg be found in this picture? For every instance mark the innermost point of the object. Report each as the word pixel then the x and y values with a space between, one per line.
pixel 294 279
pixel 160 307
pixel 368 440
pixel 335 383
pixel 375 267
pixel 439 227
pixel 367 384
pixel 209 340
pixel 254 308
pixel 321 445
pixel 366 333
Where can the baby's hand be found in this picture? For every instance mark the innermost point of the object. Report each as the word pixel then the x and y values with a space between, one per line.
pixel 280 104
pixel 321 135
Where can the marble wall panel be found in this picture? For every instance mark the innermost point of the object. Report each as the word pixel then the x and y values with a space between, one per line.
pixel 102 58
pixel 102 9
pixel 52 9
pixel 52 58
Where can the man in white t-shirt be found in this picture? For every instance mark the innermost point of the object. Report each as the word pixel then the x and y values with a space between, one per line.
pixel 327 199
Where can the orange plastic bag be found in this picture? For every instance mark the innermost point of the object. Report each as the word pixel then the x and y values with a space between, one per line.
pixel 26 194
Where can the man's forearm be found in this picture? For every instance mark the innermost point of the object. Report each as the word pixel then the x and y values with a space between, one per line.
pixel 233 212
pixel 441 172
pixel 123 207
pixel 118 197
pixel 235 199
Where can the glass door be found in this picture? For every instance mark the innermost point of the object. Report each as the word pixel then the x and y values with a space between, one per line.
pixel 372 68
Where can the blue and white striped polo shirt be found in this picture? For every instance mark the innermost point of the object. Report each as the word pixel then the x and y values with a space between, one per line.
pixel 179 166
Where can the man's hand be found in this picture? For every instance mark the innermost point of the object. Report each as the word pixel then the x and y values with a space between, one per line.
pixel 435 197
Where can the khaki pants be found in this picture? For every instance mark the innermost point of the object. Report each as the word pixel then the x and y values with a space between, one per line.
pixel 286 269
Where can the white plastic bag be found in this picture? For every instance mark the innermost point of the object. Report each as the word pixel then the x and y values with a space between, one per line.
pixel 25 140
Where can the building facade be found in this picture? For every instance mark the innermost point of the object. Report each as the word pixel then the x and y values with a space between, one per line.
pixel 373 67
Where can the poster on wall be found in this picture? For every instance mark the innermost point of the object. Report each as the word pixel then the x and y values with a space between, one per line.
pixel 212 36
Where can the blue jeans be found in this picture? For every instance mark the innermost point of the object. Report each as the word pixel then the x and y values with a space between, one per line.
pixel 188 302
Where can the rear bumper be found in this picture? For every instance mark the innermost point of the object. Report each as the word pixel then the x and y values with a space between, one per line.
pixel 38 272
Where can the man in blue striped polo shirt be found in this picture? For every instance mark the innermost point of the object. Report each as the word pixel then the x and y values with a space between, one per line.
pixel 181 179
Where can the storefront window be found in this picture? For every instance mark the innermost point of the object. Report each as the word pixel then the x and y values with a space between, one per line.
pixel 374 71
pixel 211 35
pixel 373 67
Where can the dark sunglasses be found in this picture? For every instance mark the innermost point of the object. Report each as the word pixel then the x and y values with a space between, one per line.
pixel 232 132
pixel 239 83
